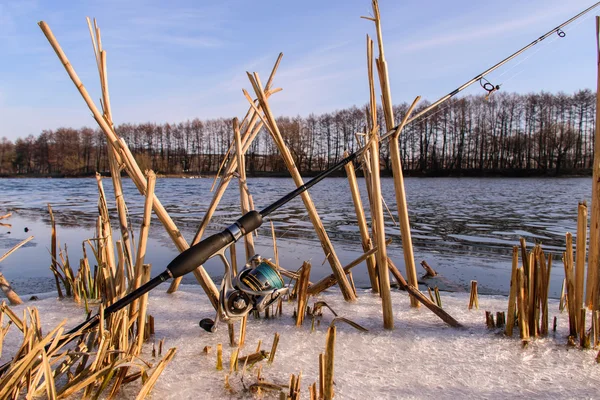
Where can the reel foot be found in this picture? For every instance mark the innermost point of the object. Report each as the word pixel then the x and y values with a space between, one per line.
pixel 208 325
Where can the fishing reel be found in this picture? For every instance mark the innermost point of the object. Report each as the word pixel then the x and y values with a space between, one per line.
pixel 255 287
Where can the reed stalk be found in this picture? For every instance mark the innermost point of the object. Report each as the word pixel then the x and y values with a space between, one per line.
pixel 155 374
pixel 219 357
pixel 366 242
pixel 143 241
pixel 581 241
pixel 10 294
pixel 328 363
pixel 378 224
pixel 53 250
pixel 330 280
pixel 273 129
pixel 474 297
pixel 593 274
pixel 241 168
pixel 522 305
pixel 115 170
pixel 141 318
pixel 399 189
pixel 571 306
pixel 512 297
pixel 429 272
pixel 447 318
pixel 302 293
pixel 273 348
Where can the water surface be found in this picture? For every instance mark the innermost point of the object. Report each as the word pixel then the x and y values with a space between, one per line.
pixel 463 227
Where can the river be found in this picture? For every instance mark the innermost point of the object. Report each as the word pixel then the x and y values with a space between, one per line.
pixel 463 227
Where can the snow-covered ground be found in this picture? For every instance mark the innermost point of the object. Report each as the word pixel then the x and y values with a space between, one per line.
pixel 421 358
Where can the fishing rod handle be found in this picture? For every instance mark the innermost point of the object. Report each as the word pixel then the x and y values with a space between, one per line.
pixel 197 255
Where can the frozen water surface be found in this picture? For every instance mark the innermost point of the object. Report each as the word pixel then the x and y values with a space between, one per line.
pixel 421 358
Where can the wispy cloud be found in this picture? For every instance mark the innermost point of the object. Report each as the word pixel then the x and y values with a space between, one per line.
pixel 476 32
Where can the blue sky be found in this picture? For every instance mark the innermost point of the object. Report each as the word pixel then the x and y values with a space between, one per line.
pixel 177 60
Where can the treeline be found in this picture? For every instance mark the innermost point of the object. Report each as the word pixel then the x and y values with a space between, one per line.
pixel 539 133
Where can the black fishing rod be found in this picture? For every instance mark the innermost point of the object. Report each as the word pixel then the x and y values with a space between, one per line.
pixel 198 254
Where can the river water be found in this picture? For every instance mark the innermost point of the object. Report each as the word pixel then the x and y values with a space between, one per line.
pixel 463 227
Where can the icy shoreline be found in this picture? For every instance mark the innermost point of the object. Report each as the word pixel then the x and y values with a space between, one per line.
pixel 421 358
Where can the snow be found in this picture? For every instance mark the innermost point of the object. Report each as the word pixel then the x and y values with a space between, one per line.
pixel 421 358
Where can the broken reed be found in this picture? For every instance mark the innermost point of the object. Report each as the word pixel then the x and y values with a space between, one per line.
pixel 89 368
pixel 529 292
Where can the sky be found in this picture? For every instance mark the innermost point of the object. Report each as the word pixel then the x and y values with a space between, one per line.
pixel 178 60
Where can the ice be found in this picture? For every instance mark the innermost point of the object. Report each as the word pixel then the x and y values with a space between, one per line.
pixel 421 358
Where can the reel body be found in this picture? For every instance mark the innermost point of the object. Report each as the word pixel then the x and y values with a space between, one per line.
pixel 255 287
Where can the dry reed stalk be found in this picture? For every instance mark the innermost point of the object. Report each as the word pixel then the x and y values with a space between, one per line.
pixel 512 297
pixel 571 306
pixel 429 272
pixel 592 296
pixel 219 357
pixel 438 299
pixel 273 129
pixel 399 189
pixel 388 112
pixel 5 216
pixel 133 170
pixel 241 168
pixel 447 318
pixel 243 324
pixel 233 358
pixel 321 375
pixel 19 366
pixel 141 318
pixel 273 348
pixel 275 249
pixel 473 298
pixel 329 358
pixel 115 170
pixel 144 230
pixel 378 224
pixel 581 320
pixel 545 269
pixel 155 374
pixel 231 332
pixel 303 292
pixel 362 225
pixel 500 319
pixel 489 320
pixel 330 280
pixel 10 294
pixel 15 248
pixel 563 296
pixel 522 305
pixel 582 216
pixel 53 249
pixel 532 293
pixel 313 391
pixel 106 228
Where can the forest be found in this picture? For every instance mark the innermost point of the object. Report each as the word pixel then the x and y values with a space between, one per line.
pixel 506 134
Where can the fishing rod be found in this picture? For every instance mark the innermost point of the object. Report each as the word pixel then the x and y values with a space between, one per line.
pixel 255 287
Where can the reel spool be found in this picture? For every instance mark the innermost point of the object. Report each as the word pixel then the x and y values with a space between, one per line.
pixel 255 287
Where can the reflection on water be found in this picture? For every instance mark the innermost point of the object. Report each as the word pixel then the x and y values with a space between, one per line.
pixel 464 227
